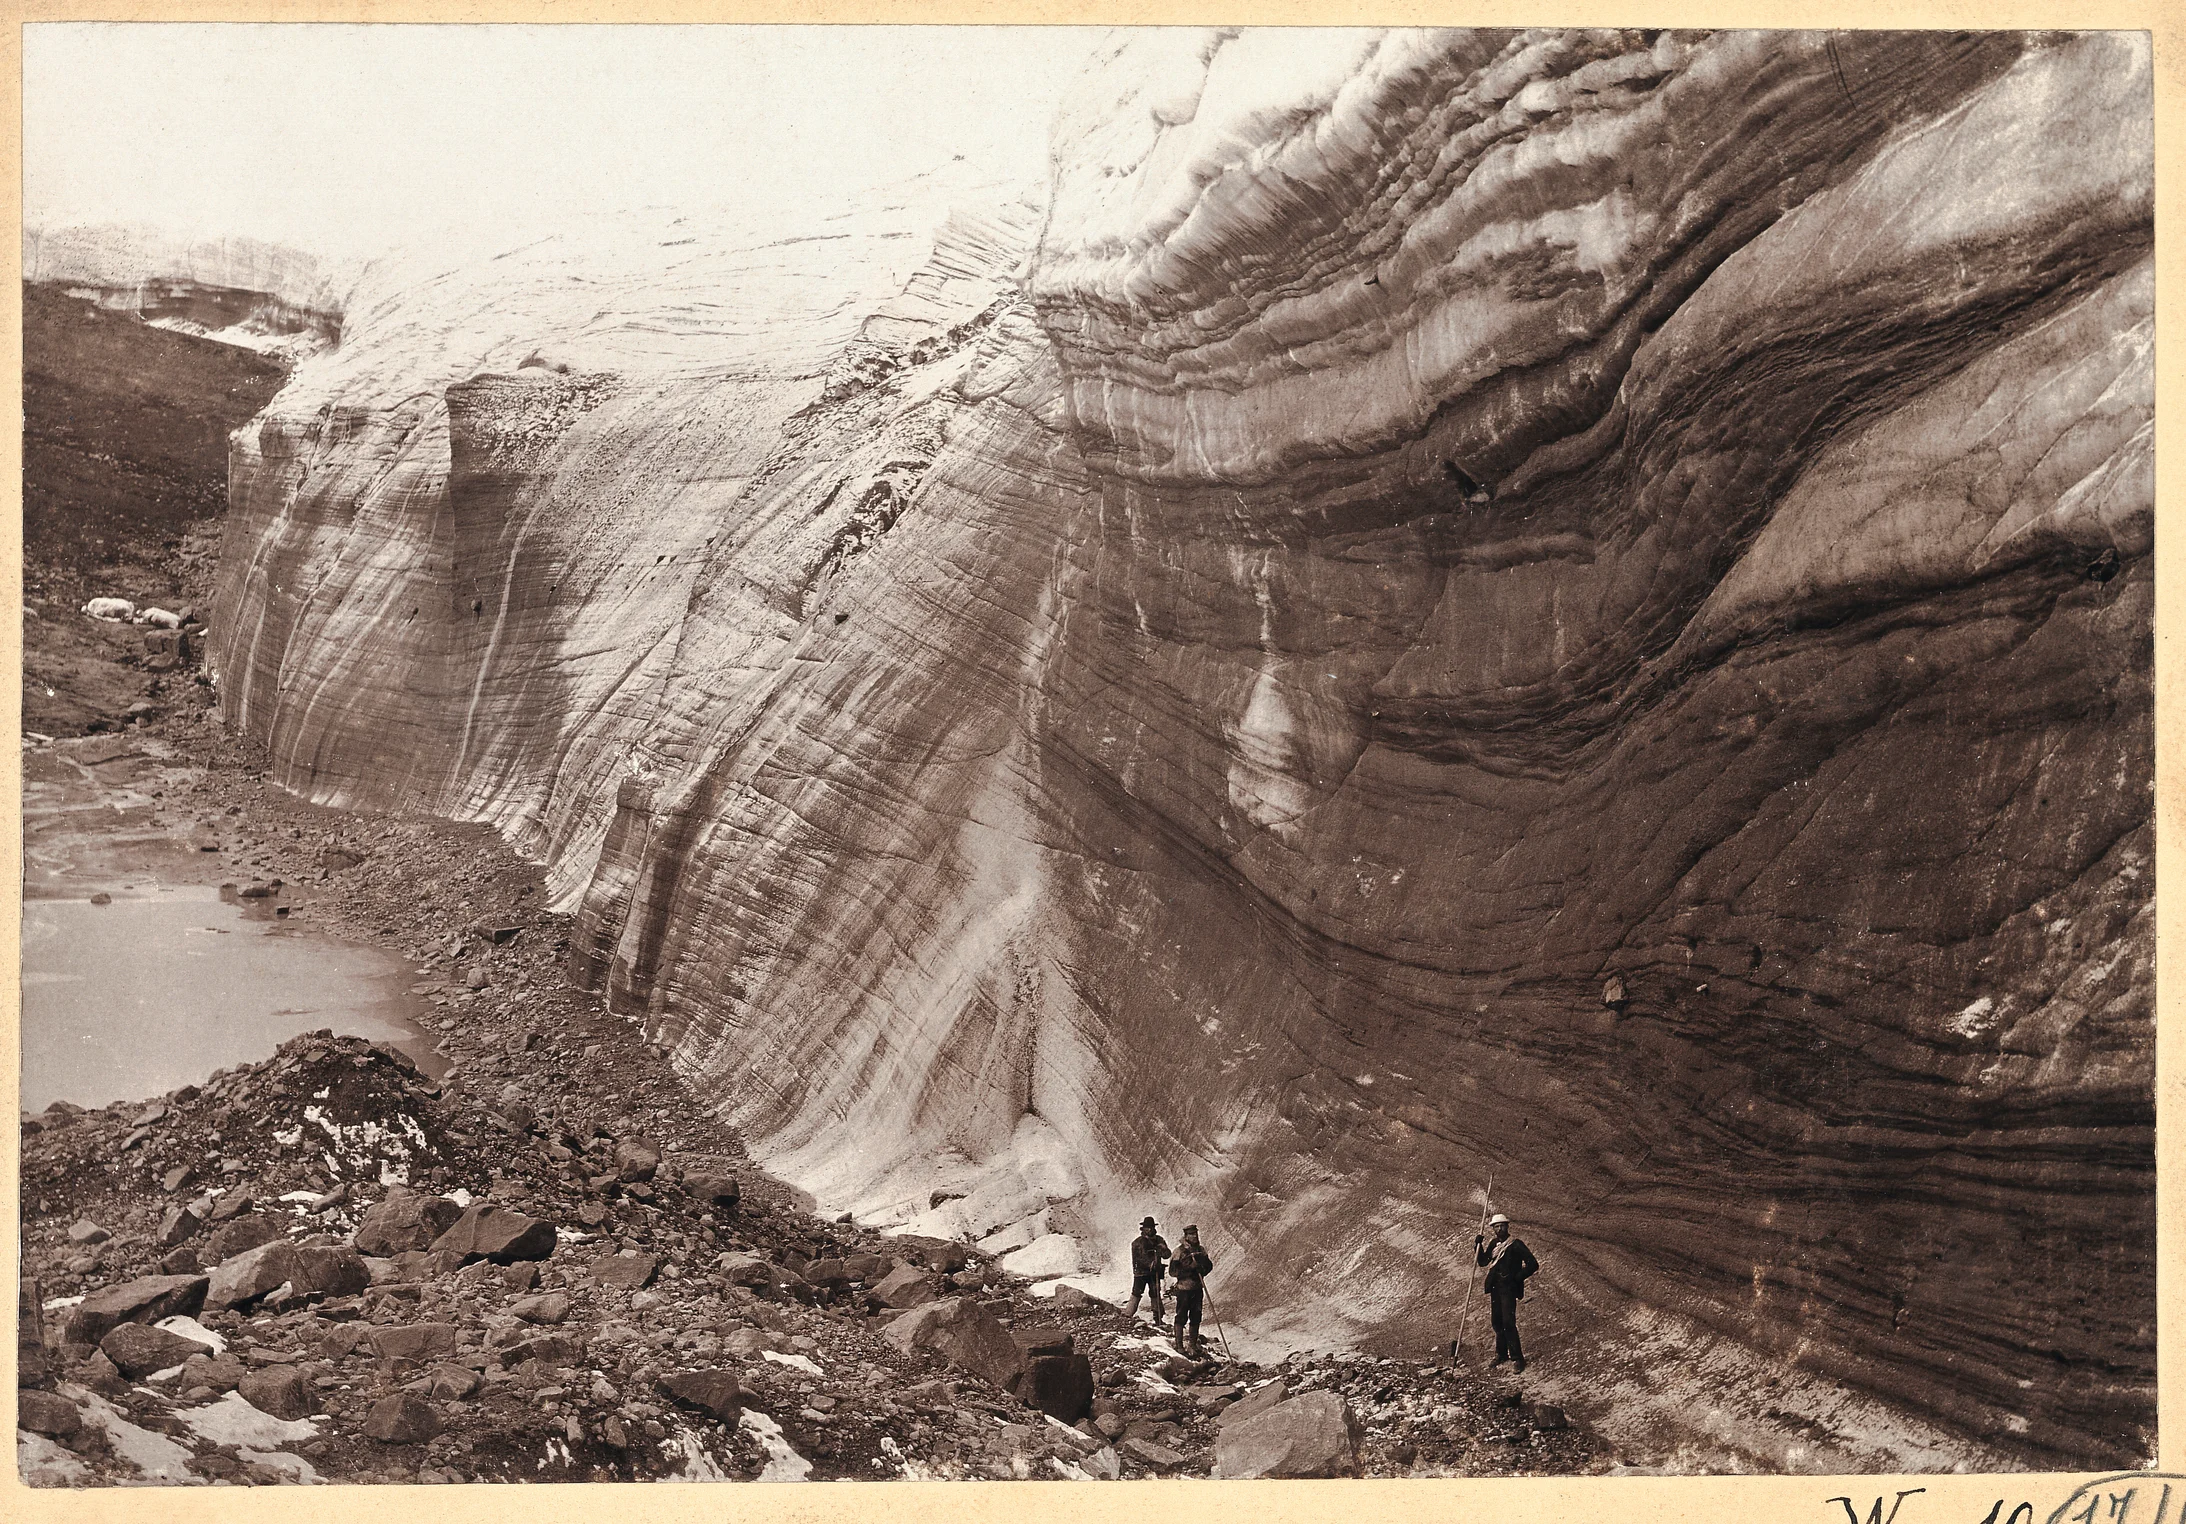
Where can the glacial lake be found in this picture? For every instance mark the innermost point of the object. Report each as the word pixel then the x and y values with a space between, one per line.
pixel 128 1000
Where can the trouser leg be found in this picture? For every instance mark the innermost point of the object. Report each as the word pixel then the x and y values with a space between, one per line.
pixel 1187 1311
pixel 1503 1313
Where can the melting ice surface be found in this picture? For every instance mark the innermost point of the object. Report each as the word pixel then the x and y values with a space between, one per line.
pixel 130 999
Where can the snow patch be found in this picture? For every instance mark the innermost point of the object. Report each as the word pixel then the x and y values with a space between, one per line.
pixel 233 1421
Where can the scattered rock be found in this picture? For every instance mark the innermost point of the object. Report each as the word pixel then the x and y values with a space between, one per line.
pixel 85 1231
pixel 716 1392
pixel 406 1219
pixel 635 1160
pixel 402 1419
pixel 245 1277
pixel 138 1349
pixel 145 1300
pixel 217 1373
pixel 498 1234
pixel 414 1341
pixel 280 1390
pixel 329 1270
pixel 240 1234
pixel 176 1226
pixel 717 1189
pixel 906 1286
pixel 452 1383
pixel 624 1272
pixel 1152 1456
pixel 48 1414
pixel 745 1269
pixel 550 1308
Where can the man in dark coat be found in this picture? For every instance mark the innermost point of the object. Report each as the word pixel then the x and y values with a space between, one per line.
pixel 1147 1252
pixel 1509 1263
pixel 1188 1272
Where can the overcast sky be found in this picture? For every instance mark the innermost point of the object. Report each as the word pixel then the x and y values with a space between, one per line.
pixel 350 139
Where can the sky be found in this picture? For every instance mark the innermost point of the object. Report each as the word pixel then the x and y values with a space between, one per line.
pixel 347 140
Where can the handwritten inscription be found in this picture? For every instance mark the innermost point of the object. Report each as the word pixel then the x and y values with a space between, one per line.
pixel 2137 1497
pixel 2134 1497
pixel 1875 1515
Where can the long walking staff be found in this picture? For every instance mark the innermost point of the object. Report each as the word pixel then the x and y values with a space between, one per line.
pixel 1465 1315
pixel 1218 1333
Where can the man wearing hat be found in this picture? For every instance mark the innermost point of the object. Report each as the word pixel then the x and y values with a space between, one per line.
pixel 1191 1266
pixel 1147 1253
pixel 1509 1262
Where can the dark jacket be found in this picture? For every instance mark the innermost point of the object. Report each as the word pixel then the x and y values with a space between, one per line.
pixel 1511 1270
pixel 1147 1253
pixel 1190 1264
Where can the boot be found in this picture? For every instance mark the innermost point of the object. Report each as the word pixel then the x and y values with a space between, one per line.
pixel 1518 1366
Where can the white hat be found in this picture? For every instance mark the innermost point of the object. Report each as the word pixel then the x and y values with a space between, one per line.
pixel 1498 1217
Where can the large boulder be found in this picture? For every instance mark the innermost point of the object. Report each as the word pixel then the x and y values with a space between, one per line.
pixel 496 1233
pixel 138 1349
pixel 144 1300
pixel 1060 1386
pixel 963 1333
pixel 1037 1340
pixel 1307 1436
pixel 407 1219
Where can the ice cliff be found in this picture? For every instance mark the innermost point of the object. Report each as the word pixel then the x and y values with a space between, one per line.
pixel 1179 691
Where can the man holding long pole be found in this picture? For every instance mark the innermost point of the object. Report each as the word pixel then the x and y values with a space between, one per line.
pixel 1509 1263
